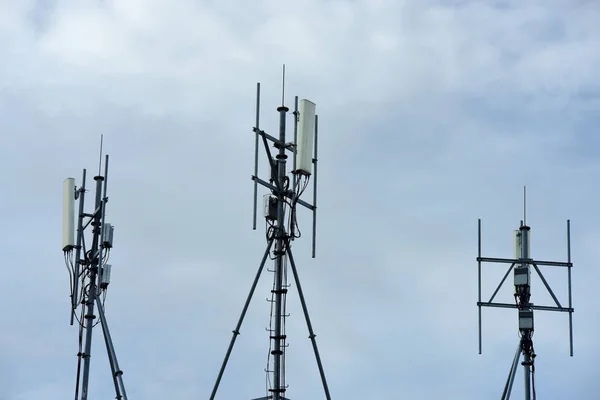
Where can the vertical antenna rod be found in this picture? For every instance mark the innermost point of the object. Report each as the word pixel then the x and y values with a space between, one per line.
pixel 479 276
pixel 283 88
pixel 256 153
pixel 296 115
pixel 314 224
pixel 100 161
pixel 570 296
pixel 525 205
pixel 81 195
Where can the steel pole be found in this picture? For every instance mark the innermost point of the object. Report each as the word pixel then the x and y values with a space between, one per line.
pixel 280 241
pixel 91 297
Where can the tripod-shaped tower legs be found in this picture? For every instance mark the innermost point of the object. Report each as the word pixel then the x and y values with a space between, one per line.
pixel 236 332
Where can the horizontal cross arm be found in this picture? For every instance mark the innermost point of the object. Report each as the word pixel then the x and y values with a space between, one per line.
pixel 541 308
pixel 273 188
pixel 267 136
pixel 528 261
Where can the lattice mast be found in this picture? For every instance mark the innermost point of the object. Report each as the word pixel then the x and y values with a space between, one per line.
pixel 521 266
pixel 281 224
pixel 89 274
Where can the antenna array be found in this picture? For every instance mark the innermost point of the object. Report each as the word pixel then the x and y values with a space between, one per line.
pixel 521 266
pixel 282 201
pixel 89 274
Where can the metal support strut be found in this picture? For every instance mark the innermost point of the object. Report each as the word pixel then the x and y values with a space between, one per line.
pixel 280 241
pixel 309 325
pixel 236 331
pixel 117 374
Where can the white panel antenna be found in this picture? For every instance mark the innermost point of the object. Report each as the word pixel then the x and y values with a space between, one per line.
pixel 68 214
pixel 306 137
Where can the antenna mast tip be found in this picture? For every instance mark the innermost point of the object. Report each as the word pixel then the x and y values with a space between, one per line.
pixel 525 205
pixel 283 88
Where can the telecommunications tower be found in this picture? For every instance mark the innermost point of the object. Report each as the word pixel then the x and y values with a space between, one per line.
pixel 281 225
pixel 521 265
pixel 89 274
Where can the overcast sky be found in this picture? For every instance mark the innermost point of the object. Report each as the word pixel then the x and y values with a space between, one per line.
pixel 432 114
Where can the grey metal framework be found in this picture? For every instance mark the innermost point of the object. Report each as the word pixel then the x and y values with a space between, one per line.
pixel 521 267
pixel 89 279
pixel 280 237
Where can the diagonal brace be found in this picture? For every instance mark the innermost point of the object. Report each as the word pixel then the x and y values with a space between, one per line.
pixel 546 284
pixel 271 163
pixel 501 282
pixel 265 135
pixel 117 374
pixel 308 323
pixel 236 332
pixel 511 375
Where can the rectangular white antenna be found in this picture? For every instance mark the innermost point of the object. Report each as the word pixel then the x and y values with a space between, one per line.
pixel 306 137
pixel 68 214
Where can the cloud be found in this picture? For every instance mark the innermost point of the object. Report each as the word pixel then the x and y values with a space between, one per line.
pixel 431 115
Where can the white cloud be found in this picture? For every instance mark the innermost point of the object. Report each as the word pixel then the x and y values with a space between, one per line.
pixel 431 115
